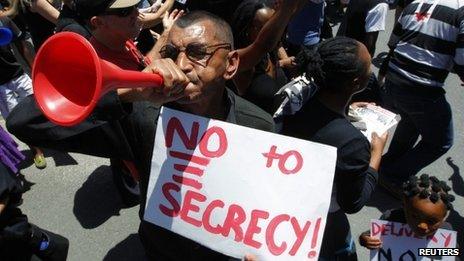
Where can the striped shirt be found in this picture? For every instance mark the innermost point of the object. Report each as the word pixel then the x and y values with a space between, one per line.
pixel 428 42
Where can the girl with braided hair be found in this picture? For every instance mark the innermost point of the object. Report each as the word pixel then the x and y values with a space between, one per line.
pixel 426 203
pixel 340 67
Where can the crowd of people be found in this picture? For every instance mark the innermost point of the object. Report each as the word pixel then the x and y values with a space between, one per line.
pixel 232 60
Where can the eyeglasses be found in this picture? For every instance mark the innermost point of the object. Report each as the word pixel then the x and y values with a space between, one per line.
pixel 121 12
pixel 195 52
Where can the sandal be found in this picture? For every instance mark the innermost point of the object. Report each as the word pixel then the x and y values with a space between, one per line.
pixel 39 161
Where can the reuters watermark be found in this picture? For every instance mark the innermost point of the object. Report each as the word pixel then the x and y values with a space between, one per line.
pixel 438 251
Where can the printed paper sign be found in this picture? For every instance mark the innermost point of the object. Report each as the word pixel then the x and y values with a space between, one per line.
pixel 400 243
pixel 377 119
pixel 238 190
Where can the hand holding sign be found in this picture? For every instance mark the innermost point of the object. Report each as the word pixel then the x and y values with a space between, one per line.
pixel 259 200
pixel 369 242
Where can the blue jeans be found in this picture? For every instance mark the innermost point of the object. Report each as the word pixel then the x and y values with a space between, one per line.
pixel 424 112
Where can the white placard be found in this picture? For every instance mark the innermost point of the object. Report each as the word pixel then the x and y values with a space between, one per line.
pixel 400 243
pixel 239 190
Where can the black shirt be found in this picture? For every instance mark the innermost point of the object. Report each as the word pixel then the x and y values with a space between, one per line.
pixel 404 3
pixel 354 180
pixel 356 15
pixel 10 68
pixel 69 21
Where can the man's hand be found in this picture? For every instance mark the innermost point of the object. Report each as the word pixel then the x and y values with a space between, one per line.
pixel 288 63
pixel 369 242
pixel 175 82
pixel 174 79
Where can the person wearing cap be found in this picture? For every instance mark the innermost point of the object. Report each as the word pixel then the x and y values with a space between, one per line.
pixel 198 59
pixel 71 21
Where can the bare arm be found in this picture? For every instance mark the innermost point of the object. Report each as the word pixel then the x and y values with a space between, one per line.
pixel 269 36
pixel 168 22
pixel 45 9
pixel 151 19
pixel 282 53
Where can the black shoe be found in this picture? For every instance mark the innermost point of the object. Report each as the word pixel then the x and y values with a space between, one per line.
pixel 51 247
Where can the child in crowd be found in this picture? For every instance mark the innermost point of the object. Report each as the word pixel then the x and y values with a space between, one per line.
pixel 426 203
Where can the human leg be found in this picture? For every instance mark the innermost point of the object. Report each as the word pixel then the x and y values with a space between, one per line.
pixel 19 88
pixel 406 133
pixel 435 126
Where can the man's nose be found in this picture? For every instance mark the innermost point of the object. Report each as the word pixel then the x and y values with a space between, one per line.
pixel 184 62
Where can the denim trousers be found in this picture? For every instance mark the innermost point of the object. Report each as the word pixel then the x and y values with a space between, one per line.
pixel 425 113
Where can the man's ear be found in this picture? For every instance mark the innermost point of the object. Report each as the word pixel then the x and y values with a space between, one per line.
pixel 233 60
pixel 96 22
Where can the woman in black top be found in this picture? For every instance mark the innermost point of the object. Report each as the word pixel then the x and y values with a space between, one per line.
pixel 259 84
pixel 340 68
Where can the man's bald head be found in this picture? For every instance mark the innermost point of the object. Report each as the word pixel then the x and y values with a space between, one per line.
pixel 223 32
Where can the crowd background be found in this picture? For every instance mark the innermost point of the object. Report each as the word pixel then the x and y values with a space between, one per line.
pixel 76 197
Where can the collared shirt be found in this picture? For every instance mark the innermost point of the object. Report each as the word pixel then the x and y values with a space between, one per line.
pixel 428 43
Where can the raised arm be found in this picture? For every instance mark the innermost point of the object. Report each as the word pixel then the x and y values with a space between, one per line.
pixel 45 9
pixel 168 21
pixel 151 19
pixel 269 36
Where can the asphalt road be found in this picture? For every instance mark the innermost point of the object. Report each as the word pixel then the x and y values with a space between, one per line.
pixel 75 196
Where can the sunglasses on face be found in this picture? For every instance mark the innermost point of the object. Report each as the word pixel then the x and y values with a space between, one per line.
pixel 195 52
pixel 121 12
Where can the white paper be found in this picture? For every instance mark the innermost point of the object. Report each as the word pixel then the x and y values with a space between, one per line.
pixel 238 179
pixel 377 119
